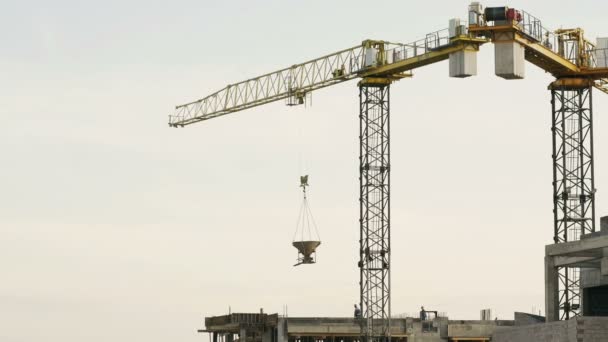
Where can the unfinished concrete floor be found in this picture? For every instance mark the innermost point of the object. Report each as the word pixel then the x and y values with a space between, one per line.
pixel 260 327
pixel 247 327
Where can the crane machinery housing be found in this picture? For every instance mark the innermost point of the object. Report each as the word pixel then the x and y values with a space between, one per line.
pixel 577 64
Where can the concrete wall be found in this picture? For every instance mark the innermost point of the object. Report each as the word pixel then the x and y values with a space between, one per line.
pixel 319 326
pixel 522 318
pixel 470 330
pixel 560 331
pixel 591 277
pixel 425 338
pixel 592 329
pixel 435 330
pixel 582 329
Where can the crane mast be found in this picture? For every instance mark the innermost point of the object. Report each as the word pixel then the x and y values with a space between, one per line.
pixel 375 211
pixel 577 65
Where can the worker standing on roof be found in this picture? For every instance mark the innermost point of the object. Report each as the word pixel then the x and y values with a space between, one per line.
pixel 357 311
pixel 422 314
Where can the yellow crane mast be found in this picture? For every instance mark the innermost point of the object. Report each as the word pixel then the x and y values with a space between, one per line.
pixel 576 63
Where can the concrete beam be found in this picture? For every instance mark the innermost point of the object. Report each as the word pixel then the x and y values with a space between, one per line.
pixel 282 330
pixel 604 266
pixel 471 331
pixel 326 326
pixel 267 335
pixel 243 334
pixel 583 262
pixel 592 247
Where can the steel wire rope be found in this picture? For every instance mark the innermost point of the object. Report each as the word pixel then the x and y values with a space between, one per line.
pixel 300 216
pixel 314 224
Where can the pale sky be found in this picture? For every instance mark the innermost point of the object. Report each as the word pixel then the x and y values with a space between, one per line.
pixel 115 227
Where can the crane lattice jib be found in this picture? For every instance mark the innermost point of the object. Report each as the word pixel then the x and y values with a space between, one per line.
pixel 293 83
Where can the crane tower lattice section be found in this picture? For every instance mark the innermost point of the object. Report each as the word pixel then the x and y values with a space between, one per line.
pixel 374 179
pixel 573 182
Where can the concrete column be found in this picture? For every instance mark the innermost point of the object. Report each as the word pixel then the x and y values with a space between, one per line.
pixel 243 335
pixel 604 224
pixel 267 335
pixel 551 290
pixel 282 330
pixel 229 337
pixel 215 337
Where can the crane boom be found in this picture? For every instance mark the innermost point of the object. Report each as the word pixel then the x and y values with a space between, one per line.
pixel 293 83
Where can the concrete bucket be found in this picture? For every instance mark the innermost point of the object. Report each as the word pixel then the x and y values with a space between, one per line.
pixel 306 249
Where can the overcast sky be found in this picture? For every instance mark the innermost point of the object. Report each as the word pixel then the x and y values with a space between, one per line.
pixel 115 227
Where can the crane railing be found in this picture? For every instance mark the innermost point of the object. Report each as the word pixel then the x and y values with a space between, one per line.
pixel 431 42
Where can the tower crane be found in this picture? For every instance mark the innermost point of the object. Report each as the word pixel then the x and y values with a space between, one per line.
pixel 576 63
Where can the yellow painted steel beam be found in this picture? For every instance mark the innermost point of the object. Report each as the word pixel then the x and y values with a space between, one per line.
pixel 536 53
pixel 489 31
pixel 375 81
pixel 545 58
pixel 300 79
pixel 442 53
pixel 572 83
pixel 592 73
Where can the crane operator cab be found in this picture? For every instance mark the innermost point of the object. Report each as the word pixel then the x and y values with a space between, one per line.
pixel 306 238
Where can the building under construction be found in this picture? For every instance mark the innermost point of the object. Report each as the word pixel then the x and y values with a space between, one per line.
pixel 252 327
pixel 590 255
pixel 576 264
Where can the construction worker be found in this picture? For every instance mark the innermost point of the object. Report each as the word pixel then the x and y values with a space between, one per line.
pixel 422 314
pixel 357 311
